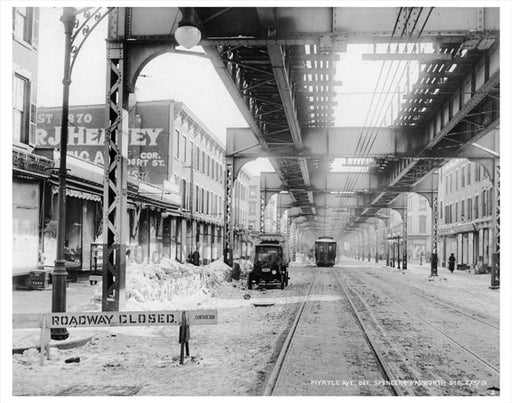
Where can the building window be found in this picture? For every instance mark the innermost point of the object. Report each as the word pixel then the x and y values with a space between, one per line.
pixel 451 182
pixel 484 203
pixel 184 159
pixel 252 208
pixel 203 202
pixel 441 210
pixel 197 158
pixel 470 209
pixel 489 202
pixel 484 173
pixel 423 204
pixel 469 174
pixel 477 172
pixel 25 24
pixel 477 207
pixel 463 177
pixel 456 180
pixel 252 191
pixel 20 103
pixel 176 144
pixel 183 191
pixel 197 199
pixel 422 224
pixel 462 210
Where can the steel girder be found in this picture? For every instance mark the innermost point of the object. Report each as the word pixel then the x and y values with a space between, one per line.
pixel 274 75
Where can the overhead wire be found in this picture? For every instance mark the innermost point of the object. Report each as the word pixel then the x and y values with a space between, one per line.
pixel 349 183
pixel 368 139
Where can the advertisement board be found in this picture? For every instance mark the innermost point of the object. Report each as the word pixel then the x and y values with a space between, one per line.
pixel 148 143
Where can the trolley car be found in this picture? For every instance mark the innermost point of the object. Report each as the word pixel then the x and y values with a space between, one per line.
pixel 325 251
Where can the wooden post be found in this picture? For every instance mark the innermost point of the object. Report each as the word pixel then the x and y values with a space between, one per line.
pixel 184 337
pixel 44 340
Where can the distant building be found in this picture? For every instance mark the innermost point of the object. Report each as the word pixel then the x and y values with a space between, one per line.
pixel 419 225
pixel 270 214
pixel 466 201
pixel 176 170
pixel 240 209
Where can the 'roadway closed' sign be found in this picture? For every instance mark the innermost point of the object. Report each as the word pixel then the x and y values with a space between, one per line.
pixel 134 318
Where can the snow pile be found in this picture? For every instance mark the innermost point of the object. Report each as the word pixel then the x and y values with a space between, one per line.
pixel 169 283
pixel 32 356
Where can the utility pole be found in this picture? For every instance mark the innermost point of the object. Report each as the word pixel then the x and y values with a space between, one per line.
pixel 192 226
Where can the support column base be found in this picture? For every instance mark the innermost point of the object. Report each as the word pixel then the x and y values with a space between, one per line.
pixel 59 283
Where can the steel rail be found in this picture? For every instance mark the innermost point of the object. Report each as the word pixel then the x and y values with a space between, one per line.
pixel 380 358
pixel 444 304
pixel 466 349
pixel 279 365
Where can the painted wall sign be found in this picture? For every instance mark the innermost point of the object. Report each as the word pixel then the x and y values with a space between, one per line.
pixel 148 145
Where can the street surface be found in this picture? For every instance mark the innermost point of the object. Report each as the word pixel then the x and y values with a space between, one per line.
pixel 438 337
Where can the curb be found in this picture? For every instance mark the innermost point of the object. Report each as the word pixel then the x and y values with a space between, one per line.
pixel 78 342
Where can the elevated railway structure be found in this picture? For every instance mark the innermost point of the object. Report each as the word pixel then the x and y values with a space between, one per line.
pixel 279 66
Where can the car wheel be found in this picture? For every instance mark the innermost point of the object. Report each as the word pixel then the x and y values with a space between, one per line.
pixel 249 282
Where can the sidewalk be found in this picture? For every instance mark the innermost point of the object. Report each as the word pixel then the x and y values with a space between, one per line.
pixel 37 301
pixel 421 271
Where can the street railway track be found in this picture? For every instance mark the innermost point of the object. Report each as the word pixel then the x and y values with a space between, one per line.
pixel 444 304
pixel 280 365
pixel 439 331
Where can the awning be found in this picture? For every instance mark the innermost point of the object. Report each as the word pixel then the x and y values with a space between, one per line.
pixel 80 194
pixel 456 229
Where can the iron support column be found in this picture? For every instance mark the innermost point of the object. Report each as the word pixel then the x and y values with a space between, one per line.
pixel 278 218
pixel 387 234
pixel 404 236
pixel 434 258
pixel 228 213
pixel 115 182
pixel 262 211
pixel 495 269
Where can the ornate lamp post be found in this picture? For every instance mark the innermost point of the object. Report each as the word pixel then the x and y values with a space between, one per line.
pixel 75 34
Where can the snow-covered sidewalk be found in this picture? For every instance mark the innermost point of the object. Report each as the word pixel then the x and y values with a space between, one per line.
pixel 460 288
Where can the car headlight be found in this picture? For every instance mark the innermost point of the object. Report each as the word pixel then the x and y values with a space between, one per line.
pixel 274 272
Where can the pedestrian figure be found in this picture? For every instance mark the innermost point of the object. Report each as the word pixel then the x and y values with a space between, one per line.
pixel 195 258
pixel 451 263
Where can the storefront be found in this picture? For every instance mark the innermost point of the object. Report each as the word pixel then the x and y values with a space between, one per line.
pixel 83 228
pixel 466 243
pixel 30 173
